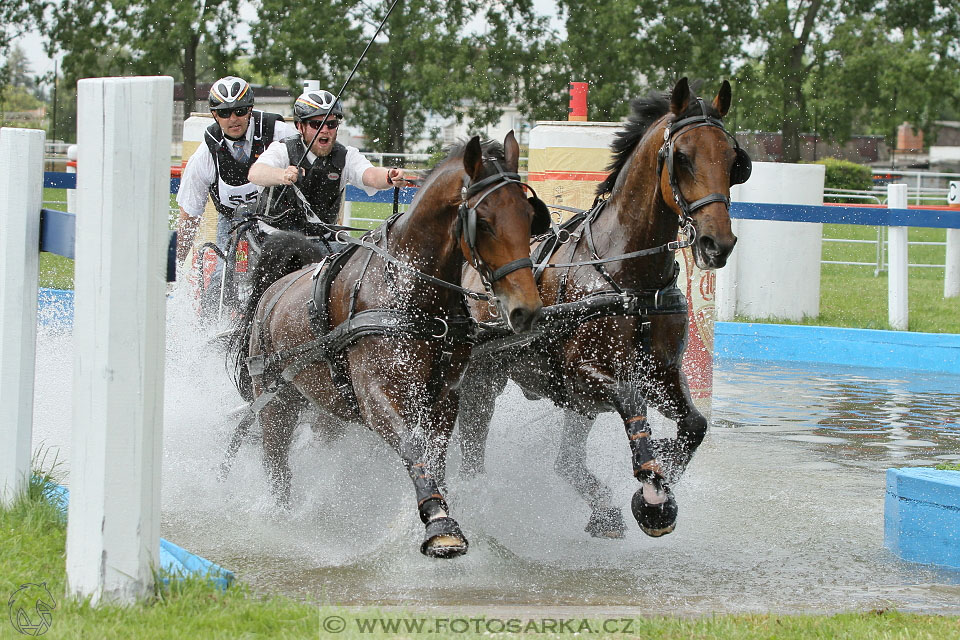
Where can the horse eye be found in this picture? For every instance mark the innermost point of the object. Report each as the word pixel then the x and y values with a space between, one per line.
pixel 485 226
pixel 682 159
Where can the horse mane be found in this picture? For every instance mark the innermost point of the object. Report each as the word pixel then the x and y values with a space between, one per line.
pixel 645 112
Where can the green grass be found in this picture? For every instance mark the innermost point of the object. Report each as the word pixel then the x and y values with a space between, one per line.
pixel 946 466
pixel 33 551
pixel 851 296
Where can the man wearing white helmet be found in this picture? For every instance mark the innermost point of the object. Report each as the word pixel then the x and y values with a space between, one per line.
pixel 304 199
pixel 218 168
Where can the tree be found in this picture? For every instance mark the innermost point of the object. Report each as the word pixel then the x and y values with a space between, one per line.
pixel 130 37
pixel 848 66
pixel 424 60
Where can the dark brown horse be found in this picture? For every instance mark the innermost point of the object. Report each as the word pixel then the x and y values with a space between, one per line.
pixel 381 335
pixel 614 328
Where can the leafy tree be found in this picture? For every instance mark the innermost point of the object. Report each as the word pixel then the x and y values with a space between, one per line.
pixel 424 60
pixel 131 37
pixel 848 66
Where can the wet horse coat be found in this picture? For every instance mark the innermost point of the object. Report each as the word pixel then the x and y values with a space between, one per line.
pixel 620 346
pixel 402 384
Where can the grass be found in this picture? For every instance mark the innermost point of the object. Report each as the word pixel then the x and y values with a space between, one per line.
pixel 33 546
pixel 852 296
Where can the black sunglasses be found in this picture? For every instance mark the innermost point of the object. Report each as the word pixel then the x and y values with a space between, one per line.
pixel 332 123
pixel 226 113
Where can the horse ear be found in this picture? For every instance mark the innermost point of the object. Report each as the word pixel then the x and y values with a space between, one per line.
pixel 680 98
pixel 722 102
pixel 511 152
pixel 473 157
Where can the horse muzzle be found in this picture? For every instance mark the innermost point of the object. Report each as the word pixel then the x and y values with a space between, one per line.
pixel 710 252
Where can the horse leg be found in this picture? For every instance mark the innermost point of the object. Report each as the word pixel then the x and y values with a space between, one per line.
pixel 234 445
pixel 653 504
pixel 478 394
pixel 675 403
pixel 606 521
pixel 278 420
pixel 443 537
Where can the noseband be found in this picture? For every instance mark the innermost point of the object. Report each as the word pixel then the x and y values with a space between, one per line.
pixel 740 172
pixel 467 220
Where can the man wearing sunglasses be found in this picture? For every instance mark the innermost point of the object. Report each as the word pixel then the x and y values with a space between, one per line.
pixel 306 196
pixel 238 135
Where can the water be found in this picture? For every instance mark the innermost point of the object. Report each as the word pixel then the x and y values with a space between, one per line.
pixel 780 510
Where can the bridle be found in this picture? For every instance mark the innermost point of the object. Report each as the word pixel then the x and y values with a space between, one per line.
pixel 740 172
pixel 466 226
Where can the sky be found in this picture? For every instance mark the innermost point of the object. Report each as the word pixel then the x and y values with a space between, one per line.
pixel 40 63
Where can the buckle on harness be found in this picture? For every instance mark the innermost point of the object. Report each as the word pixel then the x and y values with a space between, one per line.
pixel 255 366
pixel 446 329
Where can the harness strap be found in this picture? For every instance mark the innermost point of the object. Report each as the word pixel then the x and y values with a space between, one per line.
pixel 347 239
pixel 558 320
pixel 510 267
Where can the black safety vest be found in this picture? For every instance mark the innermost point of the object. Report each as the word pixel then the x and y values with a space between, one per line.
pixel 321 188
pixel 230 187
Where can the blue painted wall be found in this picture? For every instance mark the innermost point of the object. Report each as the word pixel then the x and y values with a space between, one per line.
pixel 938 352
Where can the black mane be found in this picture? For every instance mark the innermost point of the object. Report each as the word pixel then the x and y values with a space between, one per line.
pixel 646 111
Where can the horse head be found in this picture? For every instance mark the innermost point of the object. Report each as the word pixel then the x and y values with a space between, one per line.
pixel 493 228
pixel 697 163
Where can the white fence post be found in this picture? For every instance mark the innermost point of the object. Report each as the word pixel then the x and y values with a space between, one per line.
pixel 897 313
pixel 951 278
pixel 951 274
pixel 21 195
pixel 124 130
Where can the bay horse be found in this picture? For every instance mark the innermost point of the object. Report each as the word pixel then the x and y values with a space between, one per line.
pixel 379 333
pixel 614 326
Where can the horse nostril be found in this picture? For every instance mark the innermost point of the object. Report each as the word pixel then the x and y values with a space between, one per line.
pixel 521 319
pixel 709 246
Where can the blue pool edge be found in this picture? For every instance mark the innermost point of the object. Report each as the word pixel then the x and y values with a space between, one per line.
pixel 175 561
pixel 931 352
pixel 922 515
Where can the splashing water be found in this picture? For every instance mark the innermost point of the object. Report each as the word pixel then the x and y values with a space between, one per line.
pixel 780 510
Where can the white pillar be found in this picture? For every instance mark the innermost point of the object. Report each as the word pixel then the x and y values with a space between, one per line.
pixel 897 313
pixel 21 196
pixel 124 132
pixel 951 277
pixel 774 272
pixel 728 280
pixel 72 193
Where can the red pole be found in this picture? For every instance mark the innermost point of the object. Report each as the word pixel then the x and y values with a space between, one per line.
pixel 578 101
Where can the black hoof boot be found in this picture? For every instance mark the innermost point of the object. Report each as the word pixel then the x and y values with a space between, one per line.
pixel 655 519
pixel 606 523
pixel 444 539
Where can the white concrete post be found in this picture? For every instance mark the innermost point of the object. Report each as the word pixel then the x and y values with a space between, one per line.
pixel 897 313
pixel 21 196
pixel 72 193
pixel 774 272
pixel 113 532
pixel 951 275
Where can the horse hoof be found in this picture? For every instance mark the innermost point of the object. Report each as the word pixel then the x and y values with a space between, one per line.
pixel 606 523
pixel 655 520
pixel 443 539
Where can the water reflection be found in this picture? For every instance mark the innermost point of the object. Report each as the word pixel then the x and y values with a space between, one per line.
pixel 864 415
